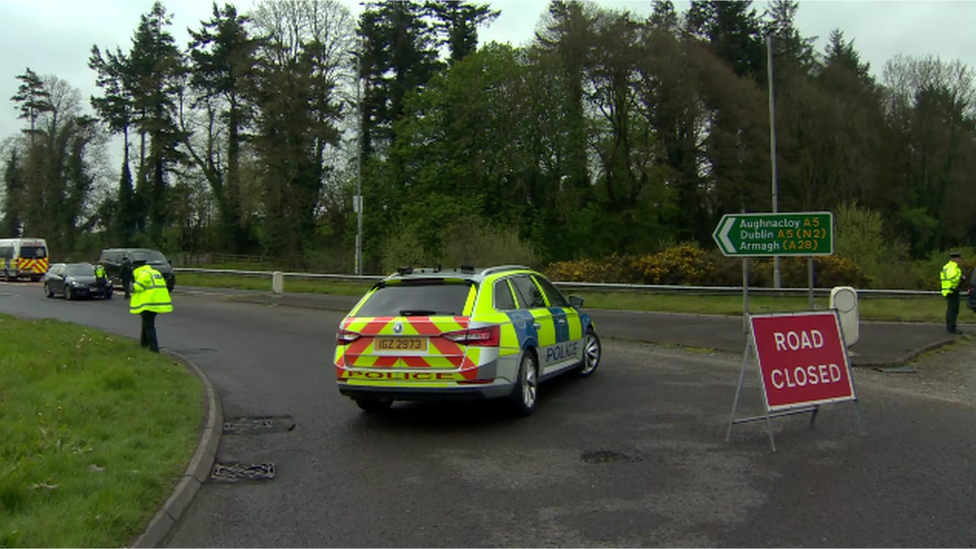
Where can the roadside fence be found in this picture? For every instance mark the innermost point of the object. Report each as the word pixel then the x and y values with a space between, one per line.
pixel 591 286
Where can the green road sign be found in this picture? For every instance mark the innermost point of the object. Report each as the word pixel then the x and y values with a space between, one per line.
pixel 770 234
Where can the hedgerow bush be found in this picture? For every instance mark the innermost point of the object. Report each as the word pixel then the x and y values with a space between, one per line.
pixel 681 265
pixel 688 265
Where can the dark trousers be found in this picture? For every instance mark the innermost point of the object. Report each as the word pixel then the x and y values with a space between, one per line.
pixel 148 337
pixel 952 311
pixel 126 283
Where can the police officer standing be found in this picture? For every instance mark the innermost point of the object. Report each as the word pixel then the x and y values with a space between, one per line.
pixel 149 298
pixel 125 273
pixel 951 278
pixel 101 280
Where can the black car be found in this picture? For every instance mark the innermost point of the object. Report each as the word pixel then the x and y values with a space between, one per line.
pixel 112 259
pixel 74 280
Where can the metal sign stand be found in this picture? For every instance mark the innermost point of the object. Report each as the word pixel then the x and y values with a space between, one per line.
pixel 751 352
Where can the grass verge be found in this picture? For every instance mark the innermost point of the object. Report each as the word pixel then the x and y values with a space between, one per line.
pixel 94 434
pixel 916 309
pixel 909 309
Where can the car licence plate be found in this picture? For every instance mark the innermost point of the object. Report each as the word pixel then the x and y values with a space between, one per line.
pixel 400 344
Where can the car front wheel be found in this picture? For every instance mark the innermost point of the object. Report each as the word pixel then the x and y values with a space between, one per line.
pixel 592 351
pixel 526 391
pixel 67 293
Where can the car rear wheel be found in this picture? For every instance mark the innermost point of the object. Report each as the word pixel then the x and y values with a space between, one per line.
pixel 47 290
pixel 526 391
pixel 592 352
pixel 372 405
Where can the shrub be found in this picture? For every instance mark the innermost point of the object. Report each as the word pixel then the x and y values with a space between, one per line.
pixel 403 248
pixel 613 269
pixel 828 271
pixel 475 242
pixel 471 241
pixel 683 264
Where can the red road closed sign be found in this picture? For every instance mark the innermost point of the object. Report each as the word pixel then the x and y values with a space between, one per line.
pixel 802 359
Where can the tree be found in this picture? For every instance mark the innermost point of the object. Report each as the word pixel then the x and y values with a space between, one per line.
pixel 663 16
pixel 13 187
pixel 398 57
pixel 567 36
pixel 115 108
pixel 457 24
pixel 156 67
pixel 792 51
pixel 302 61
pixel 222 55
pixel 732 29
pixel 50 174
pixel 931 109
pixel 33 99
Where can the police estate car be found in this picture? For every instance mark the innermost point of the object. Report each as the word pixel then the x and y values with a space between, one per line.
pixel 438 334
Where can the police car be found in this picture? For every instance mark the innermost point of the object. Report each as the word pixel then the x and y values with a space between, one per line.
pixel 444 334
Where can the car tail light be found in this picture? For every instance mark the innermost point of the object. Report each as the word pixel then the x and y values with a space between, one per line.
pixel 345 337
pixel 481 337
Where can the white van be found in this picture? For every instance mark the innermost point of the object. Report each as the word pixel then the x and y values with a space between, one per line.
pixel 23 258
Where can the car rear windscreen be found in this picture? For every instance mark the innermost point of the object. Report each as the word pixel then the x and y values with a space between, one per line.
pixel 153 257
pixel 417 299
pixel 33 252
pixel 80 270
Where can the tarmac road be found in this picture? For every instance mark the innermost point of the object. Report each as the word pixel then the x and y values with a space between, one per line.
pixel 635 455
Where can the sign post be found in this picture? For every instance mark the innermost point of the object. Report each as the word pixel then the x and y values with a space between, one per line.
pixel 803 364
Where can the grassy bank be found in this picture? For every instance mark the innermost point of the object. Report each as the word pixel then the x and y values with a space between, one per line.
pixel 917 309
pixel 94 434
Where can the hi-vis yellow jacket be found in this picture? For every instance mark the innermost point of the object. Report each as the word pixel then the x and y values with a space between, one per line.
pixel 951 276
pixel 149 292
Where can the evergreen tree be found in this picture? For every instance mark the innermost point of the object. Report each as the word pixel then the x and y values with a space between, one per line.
pixel 124 218
pixel 156 67
pixel 457 24
pixel 13 187
pixel 222 68
pixel 732 28
pixel 568 37
pixel 33 99
pixel 399 57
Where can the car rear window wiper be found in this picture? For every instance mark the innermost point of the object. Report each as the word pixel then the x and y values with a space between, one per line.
pixel 417 312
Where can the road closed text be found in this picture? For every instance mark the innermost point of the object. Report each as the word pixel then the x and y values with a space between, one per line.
pixel 801 376
pixel 802 358
pixel 809 375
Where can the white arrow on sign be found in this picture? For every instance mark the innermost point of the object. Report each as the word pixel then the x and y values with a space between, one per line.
pixel 723 234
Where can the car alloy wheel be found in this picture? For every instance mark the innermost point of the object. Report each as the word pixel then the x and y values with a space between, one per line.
pixel 67 292
pixel 47 290
pixel 592 352
pixel 527 386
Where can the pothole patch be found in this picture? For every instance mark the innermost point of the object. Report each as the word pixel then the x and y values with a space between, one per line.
pixel 597 457
pixel 234 472
pixel 258 425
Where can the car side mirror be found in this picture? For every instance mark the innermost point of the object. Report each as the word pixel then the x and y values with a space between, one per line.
pixel 576 301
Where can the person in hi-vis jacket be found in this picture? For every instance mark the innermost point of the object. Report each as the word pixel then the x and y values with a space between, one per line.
pixel 149 298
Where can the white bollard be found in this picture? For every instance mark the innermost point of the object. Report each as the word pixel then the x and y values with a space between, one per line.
pixel 844 299
pixel 278 283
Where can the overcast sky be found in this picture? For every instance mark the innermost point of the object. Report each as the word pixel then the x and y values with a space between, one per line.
pixel 55 37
